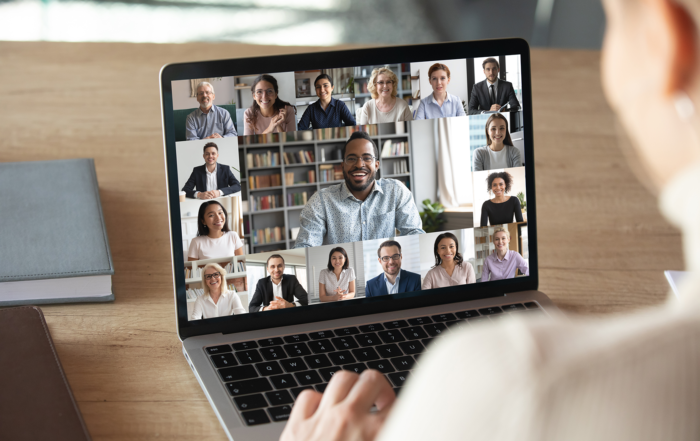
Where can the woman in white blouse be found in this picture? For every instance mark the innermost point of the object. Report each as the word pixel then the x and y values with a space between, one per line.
pixel 217 300
pixel 214 238
pixel 337 281
pixel 384 105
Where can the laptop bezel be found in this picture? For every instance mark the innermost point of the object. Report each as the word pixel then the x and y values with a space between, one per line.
pixel 329 60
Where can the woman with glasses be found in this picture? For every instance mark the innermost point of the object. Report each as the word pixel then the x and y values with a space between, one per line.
pixel 268 113
pixel 337 280
pixel 450 268
pixel 217 300
pixel 214 238
pixel 384 105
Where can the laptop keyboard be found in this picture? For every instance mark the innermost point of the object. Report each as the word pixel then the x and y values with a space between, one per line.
pixel 264 377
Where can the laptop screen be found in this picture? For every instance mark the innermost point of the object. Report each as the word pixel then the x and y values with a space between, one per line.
pixel 335 185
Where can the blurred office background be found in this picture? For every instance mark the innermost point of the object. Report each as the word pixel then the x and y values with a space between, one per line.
pixel 543 23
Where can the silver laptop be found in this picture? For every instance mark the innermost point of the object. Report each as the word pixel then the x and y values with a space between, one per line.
pixel 342 210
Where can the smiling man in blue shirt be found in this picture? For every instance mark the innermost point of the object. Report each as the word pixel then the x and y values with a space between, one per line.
pixel 361 208
pixel 326 111
pixel 208 121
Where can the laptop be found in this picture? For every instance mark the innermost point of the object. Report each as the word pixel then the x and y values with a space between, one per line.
pixel 341 210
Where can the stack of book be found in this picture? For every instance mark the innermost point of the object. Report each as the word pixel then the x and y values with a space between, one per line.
pixel 260 203
pixel 329 172
pixel 264 181
pixel 268 138
pixel 268 159
pixel 400 167
pixel 268 235
pixel 296 199
pixel 310 178
pixel 301 157
pixel 394 148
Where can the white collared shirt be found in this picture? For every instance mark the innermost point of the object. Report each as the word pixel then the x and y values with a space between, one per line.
pixel 229 304
pixel 211 180
pixel 277 288
pixel 392 289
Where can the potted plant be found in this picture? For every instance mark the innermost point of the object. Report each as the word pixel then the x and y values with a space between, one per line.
pixel 432 216
pixel 523 204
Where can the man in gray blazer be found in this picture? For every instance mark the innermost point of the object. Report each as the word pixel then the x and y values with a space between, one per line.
pixel 492 93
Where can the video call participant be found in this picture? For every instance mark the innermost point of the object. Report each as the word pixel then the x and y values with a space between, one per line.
pixel 326 111
pixel 493 93
pixel 217 300
pixel 502 208
pixel 440 103
pixel 384 105
pixel 208 121
pixel 278 290
pixel 450 268
pixel 502 263
pixel 268 113
pixel 499 151
pixel 393 280
pixel 211 180
pixel 337 280
pixel 214 238
pixel 361 208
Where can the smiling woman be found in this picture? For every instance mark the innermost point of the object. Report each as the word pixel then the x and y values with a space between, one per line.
pixel 384 105
pixel 450 268
pixel 337 280
pixel 501 208
pixel 214 237
pixel 268 113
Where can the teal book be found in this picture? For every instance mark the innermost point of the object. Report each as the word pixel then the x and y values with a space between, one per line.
pixel 53 240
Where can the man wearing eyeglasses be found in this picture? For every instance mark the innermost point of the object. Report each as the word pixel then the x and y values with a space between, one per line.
pixel 362 207
pixel 208 121
pixel 393 280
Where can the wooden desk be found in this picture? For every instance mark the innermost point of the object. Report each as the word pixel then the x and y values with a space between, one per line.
pixel 603 246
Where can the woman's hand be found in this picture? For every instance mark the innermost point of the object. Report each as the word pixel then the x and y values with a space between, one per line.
pixel 342 412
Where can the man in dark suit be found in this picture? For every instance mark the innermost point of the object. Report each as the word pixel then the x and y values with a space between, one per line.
pixel 211 180
pixel 492 93
pixel 278 290
pixel 393 280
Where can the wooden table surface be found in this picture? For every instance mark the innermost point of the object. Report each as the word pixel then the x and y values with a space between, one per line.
pixel 603 245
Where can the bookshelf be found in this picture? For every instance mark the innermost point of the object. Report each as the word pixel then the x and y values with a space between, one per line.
pixel 483 242
pixel 322 168
pixel 235 274
pixel 363 73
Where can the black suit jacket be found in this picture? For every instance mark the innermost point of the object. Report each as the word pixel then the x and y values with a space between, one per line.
pixel 480 99
pixel 225 181
pixel 290 288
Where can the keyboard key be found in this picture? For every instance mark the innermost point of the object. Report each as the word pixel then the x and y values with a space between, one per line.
pixel 372 328
pixel 297 390
pixel 420 321
pixel 467 314
pixel 356 367
pixel 255 417
pixel 279 397
pixel 365 354
pixel 317 361
pixel 280 413
pixel 269 368
pixel 267 342
pixel 398 378
pixel 426 341
pixel 319 335
pixel 250 402
pixel 244 346
pixel 327 373
pixel 513 307
pixel 308 377
pixel 246 387
pixel 344 343
pixel 383 366
pixel 248 357
pixel 435 329
pixel 370 339
pixel 391 336
pixel 411 347
pixel 224 360
pixel 238 373
pixel 532 305
pixel 491 311
pixel 388 351
pixel 283 381
pixel 297 349
pixel 218 349
pixel 403 363
pixel 321 387
pixel 346 331
pixel 414 333
pixel 444 317
pixel 321 346
pixel 296 338
pixel 293 365
pixel 273 353
pixel 395 324
pixel 342 357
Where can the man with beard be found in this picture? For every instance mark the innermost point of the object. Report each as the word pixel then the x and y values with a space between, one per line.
pixel 361 208
pixel 393 280
pixel 208 121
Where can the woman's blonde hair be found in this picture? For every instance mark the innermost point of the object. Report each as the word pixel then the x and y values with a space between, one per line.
pixel 372 87
pixel 505 230
pixel 221 270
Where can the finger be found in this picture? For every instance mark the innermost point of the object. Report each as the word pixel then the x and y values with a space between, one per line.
pixel 341 383
pixel 305 406
pixel 371 389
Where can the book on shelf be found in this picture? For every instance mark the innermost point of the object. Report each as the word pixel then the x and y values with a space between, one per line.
pixel 263 181
pixel 296 199
pixel 300 157
pixel 267 138
pixel 400 167
pixel 269 202
pixel 392 148
pixel 196 272
pixel 268 235
pixel 330 172
pixel 268 159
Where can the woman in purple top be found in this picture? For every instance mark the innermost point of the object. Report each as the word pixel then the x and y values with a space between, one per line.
pixel 501 264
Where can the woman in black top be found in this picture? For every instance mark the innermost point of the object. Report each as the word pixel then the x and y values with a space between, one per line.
pixel 501 208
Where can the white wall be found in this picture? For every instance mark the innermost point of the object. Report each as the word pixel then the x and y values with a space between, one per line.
pixel 190 155
pixel 223 91
pixel 458 78
pixel 424 160
pixel 479 70
pixel 481 195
